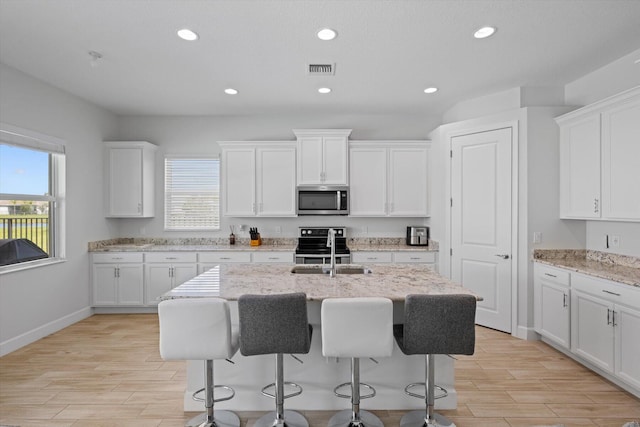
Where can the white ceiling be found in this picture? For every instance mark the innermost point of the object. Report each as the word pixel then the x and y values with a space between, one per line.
pixel 386 52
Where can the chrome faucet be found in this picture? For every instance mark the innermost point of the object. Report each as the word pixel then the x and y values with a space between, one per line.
pixel 331 243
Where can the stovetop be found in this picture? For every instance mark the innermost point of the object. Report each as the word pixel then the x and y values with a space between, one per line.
pixel 313 241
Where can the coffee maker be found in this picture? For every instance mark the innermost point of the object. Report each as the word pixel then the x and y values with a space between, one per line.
pixel 417 235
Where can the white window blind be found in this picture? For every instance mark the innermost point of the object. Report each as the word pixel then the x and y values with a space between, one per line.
pixel 191 193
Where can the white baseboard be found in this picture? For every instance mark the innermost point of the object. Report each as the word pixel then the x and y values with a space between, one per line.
pixel 34 335
pixel 526 333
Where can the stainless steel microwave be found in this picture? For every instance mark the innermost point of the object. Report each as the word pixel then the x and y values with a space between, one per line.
pixel 322 200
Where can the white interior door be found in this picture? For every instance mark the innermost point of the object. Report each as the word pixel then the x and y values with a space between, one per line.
pixel 481 222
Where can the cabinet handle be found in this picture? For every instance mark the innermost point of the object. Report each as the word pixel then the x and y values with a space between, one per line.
pixel 608 316
pixel 596 202
pixel 118 269
pixel 274 257
pixel 391 207
pixel 503 256
pixel 253 207
pixel 550 275
pixel 415 257
pixel 610 293
pixel 372 258
pixel 613 316
pixel 116 257
pixel 171 257
pixel 170 271
pixel 564 300
pixel 225 257
pixel 139 207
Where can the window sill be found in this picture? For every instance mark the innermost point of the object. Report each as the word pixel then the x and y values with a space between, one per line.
pixel 30 264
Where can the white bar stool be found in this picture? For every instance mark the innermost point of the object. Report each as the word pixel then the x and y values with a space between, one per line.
pixel 200 329
pixel 434 324
pixel 355 328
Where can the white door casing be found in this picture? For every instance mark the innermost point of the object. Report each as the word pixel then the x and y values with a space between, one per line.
pixel 481 222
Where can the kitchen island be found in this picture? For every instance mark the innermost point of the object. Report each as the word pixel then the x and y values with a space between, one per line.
pixel 319 375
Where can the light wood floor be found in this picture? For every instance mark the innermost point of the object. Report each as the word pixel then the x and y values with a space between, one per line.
pixel 106 371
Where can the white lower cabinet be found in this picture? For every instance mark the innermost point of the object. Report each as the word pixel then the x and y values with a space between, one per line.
pixel 402 257
pixel 164 271
pixel 273 257
pixel 209 260
pixel 117 279
pixel 552 304
pixel 605 326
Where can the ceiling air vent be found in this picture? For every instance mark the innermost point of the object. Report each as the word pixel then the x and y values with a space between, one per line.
pixel 321 69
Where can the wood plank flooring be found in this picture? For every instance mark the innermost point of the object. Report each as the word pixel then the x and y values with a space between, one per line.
pixel 106 371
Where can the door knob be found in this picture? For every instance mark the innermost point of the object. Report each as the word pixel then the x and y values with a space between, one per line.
pixel 503 256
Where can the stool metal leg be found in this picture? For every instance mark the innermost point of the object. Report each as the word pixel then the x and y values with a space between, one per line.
pixel 281 417
pixel 427 418
pixel 355 417
pixel 212 418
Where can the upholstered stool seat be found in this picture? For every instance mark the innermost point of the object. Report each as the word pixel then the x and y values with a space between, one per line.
pixel 276 324
pixel 434 324
pixel 355 328
pixel 200 329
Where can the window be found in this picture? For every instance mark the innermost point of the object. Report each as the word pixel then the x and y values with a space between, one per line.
pixel 191 193
pixel 31 198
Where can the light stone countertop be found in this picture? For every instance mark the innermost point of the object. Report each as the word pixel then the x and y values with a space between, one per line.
pixel 194 248
pixel 617 268
pixel 395 282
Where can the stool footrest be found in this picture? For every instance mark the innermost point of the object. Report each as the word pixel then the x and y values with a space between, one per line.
pixel 348 396
pixel 222 399
pixel 444 392
pixel 286 396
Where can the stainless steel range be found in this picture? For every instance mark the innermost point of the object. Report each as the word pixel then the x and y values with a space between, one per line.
pixel 313 249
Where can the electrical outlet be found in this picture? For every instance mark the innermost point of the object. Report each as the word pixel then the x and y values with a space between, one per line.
pixel 278 229
pixel 242 227
pixel 537 237
pixel 615 241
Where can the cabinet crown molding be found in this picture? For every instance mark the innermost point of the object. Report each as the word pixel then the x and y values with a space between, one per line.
pixel 599 105
pixel 321 132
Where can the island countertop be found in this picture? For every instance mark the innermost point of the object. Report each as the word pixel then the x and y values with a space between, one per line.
pixel 393 281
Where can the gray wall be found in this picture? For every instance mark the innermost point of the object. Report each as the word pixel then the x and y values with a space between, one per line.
pixel 36 302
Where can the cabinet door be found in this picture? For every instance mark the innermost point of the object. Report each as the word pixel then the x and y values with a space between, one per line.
pixel 158 280
pixel 125 182
pixel 310 168
pixel 104 284
pixel 276 181
pixel 335 164
pixel 183 272
pixel 580 168
pixel 554 312
pixel 408 182
pixel 592 334
pixel 368 181
pixel 130 284
pixel 627 337
pixel 238 186
pixel 621 162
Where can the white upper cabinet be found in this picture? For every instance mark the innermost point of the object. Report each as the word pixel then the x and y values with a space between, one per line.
pixel 389 178
pixel 130 169
pixel 621 161
pixel 322 156
pixel 600 160
pixel 258 179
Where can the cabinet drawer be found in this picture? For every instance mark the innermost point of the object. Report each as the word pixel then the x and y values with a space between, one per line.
pixel 171 257
pixel 362 257
pixel 561 277
pixel 611 291
pixel 117 257
pixel 417 257
pixel 224 257
pixel 284 257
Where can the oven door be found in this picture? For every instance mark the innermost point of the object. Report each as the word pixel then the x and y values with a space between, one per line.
pixel 322 259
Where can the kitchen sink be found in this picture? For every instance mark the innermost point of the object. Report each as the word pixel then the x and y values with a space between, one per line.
pixel 321 269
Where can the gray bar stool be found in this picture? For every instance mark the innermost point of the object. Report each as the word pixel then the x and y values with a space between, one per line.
pixel 435 324
pixel 355 328
pixel 200 329
pixel 276 324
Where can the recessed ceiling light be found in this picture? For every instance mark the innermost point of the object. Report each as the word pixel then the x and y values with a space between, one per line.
pixel 187 34
pixel 231 91
pixel 431 90
pixel 324 90
pixel 484 32
pixel 327 34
